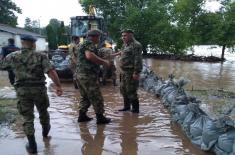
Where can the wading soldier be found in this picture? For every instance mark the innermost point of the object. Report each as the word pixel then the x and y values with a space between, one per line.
pixel 29 67
pixel 108 72
pixel 87 75
pixel 7 50
pixel 131 66
pixel 73 57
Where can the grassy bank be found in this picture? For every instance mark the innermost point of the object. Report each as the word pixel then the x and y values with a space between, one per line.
pixel 8 110
pixel 215 103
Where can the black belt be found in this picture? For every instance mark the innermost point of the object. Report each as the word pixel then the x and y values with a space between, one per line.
pixel 30 84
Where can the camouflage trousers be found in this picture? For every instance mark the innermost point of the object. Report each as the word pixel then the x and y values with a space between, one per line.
pixel 90 93
pixel 27 98
pixel 129 87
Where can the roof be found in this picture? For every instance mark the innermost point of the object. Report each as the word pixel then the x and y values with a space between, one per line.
pixel 17 30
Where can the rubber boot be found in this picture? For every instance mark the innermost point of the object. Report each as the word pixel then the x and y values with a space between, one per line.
pixel 101 119
pixel 126 105
pixel 83 117
pixel 135 107
pixel 31 146
pixel 45 130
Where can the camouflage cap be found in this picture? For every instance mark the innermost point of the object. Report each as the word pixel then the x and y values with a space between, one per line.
pixel 127 31
pixel 28 37
pixel 94 32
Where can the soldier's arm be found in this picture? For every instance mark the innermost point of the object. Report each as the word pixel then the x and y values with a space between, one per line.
pixel 95 59
pixel 138 64
pixel 5 63
pixel 54 77
pixel 47 67
pixel 115 54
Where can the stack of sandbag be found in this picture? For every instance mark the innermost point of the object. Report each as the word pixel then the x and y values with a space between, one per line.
pixel 215 135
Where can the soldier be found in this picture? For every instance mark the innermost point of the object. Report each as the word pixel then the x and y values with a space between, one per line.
pixel 29 67
pixel 7 50
pixel 73 57
pixel 87 75
pixel 131 66
pixel 107 54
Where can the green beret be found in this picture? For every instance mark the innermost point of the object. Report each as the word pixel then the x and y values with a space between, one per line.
pixel 127 31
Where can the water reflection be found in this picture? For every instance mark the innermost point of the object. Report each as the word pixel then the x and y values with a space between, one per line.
pixel 92 145
pixel 149 132
pixel 128 134
pixel 49 149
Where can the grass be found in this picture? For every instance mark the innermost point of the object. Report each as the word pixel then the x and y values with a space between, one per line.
pixel 215 102
pixel 8 110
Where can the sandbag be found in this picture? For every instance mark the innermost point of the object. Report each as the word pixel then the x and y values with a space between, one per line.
pixel 179 113
pixel 225 144
pixel 210 134
pixel 196 129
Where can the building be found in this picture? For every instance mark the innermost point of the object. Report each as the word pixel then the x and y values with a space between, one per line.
pixel 7 32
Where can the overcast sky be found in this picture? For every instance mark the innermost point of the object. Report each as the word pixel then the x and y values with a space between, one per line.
pixel 44 10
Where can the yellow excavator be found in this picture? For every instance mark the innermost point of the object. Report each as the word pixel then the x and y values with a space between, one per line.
pixel 80 25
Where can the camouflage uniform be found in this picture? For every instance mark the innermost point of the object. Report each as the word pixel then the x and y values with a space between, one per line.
pixel 72 53
pixel 29 67
pixel 5 51
pixel 87 75
pixel 106 53
pixel 130 62
pixel 73 58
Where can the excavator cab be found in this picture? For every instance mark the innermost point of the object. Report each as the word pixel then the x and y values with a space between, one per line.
pixel 81 24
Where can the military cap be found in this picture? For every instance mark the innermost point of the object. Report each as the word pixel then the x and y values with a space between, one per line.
pixel 94 33
pixel 127 31
pixel 28 37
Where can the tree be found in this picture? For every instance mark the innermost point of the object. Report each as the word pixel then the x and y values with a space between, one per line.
pixel 62 34
pixel 228 37
pixel 217 28
pixel 32 25
pixel 56 33
pixel 157 24
pixel 7 12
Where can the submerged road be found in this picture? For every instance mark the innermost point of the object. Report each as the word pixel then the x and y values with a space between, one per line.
pixel 147 133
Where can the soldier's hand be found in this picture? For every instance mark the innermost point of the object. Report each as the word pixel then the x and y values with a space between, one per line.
pixel 107 64
pixel 59 91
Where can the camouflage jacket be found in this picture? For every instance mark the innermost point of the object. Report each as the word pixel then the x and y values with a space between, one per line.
pixel 105 53
pixel 29 66
pixel 83 65
pixel 131 57
pixel 73 56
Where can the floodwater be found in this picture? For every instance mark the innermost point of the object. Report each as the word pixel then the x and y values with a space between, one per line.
pixel 202 76
pixel 147 133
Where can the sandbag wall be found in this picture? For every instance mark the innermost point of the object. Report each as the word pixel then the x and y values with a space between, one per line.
pixel 214 135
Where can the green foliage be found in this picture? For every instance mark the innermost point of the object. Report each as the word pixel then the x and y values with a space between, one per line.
pixel 32 25
pixel 208 28
pixel 7 12
pixel 151 21
pixel 228 37
pixel 168 26
pixel 57 34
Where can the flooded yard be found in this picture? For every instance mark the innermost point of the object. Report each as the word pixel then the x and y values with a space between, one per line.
pixel 149 132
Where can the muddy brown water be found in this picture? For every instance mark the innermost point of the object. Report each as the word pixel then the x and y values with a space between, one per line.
pixel 202 75
pixel 150 132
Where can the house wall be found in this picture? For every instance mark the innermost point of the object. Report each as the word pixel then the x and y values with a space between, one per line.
pixel 4 39
pixel 41 44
